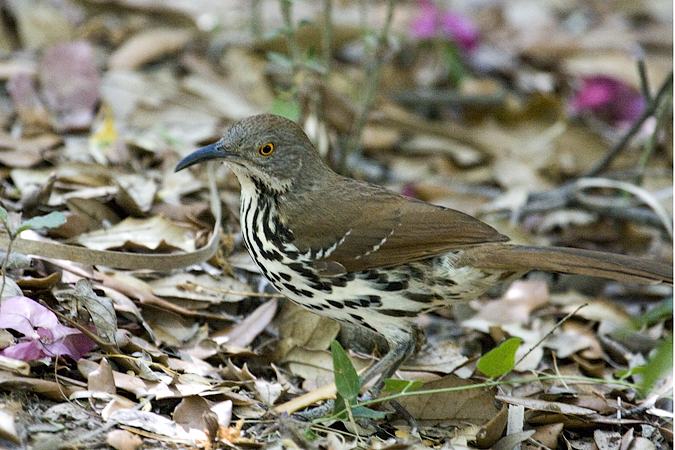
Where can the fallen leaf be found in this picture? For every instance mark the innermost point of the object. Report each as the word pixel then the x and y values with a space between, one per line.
pixel 101 379
pixel 243 333
pixel 148 46
pixel 475 405
pixel 189 413
pixel 155 233
pixel 123 440
pixel 542 405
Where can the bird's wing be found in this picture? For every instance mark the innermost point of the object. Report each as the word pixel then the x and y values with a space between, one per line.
pixel 377 228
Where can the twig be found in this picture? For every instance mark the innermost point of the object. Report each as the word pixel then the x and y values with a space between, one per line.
pixel 651 107
pixel 557 325
pixel 566 196
pixel 370 89
pixel 327 36
pixel 663 106
pixel 644 81
pixel 110 349
pixel 642 194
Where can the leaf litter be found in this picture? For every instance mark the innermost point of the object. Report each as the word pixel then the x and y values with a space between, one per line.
pixel 492 110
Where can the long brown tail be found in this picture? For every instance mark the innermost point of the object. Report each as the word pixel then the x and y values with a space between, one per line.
pixel 569 260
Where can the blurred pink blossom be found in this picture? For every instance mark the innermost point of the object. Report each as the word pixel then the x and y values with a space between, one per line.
pixel 44 336
pixel 432 21
pixel 608 99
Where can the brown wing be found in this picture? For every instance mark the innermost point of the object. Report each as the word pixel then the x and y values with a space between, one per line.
pixel 375 228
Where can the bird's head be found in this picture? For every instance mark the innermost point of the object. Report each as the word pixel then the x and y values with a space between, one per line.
pixel 265 149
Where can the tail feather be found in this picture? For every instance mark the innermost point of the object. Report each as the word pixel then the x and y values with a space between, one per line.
pixel 569 260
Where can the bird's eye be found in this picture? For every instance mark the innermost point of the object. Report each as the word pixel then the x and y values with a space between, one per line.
pixel 267 149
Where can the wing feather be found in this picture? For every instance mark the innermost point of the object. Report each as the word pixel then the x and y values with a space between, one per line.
pixel 379 228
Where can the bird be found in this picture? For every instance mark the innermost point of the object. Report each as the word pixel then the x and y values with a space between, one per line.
pixel 364 255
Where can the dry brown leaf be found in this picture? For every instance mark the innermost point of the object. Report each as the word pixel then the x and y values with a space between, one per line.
pixel 316 366
pixel 517 304
pixel 546 435
pixel 511 441
pixel 243 333
pixel 476 405
pixel 123 440
pixel 190 413
pixel 598 311
pixel 149 234
pixel 607 440
pixel 200 291
pixel 28 105
pixel 100 309
pixel 9 438
pixel 26 152
pixel 440 357
pixel 148 46
pixel 49 389
pixel 460 154
pixel 542 405
pixel 173 329
pixel 101 379
pixel 147 421
pixel 492 431
pixel 123 381
pixel 136 193
pixel 222 99
pixel 300 328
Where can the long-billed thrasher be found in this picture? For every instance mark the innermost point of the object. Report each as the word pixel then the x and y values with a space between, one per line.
pixel 361 254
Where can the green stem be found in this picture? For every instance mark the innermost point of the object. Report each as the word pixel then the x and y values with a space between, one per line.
pixel 287 14
pixel 490 384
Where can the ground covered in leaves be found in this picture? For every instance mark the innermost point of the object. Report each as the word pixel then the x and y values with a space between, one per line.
pixel 139 320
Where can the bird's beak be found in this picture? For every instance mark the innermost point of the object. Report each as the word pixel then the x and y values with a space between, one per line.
pixel 206 153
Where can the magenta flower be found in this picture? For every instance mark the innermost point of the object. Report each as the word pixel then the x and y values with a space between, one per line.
pixel 608 99
pixel 425 26
pixel 460 29
pixel 433 21
pixel 44 336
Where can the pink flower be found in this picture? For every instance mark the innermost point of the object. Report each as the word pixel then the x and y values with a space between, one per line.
pixel 460 29
pixel 44 336
pixel 432 21
pixel 425 26
pixel 609 99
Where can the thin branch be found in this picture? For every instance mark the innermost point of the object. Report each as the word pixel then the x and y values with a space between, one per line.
pixel 644 81
pixel 327 36
pixel 651 107
pixel 372 83
pixel 663 107
pixel 551 331
pixel 289 30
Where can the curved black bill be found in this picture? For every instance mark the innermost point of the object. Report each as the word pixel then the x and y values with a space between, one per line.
pixel 206 153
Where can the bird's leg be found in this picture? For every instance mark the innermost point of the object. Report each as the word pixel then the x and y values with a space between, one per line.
pixel 385 368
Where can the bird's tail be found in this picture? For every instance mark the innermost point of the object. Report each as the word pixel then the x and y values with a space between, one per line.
pixel 569 260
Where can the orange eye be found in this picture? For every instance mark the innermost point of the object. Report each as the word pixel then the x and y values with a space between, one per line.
pixel 267 149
